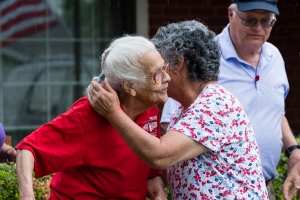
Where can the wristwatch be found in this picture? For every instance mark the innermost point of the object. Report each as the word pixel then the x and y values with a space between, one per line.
pixel 289 150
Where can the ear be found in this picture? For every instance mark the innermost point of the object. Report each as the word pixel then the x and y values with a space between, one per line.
pixel 128 88
pixel 230 13
pixel 179 65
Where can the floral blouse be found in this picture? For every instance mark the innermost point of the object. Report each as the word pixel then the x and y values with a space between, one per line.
pixel 231 169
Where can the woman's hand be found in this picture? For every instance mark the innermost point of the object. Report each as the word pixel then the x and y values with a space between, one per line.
pixel 156 189
pixel 104 100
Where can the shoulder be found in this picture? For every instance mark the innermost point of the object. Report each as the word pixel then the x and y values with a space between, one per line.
pixel 80 110
pixel 271 56
pixel 271 49
pixel 81 105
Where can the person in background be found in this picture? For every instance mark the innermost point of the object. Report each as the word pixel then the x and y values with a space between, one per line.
pixel 253 70
pixel 7 153
pixel 89 158
pixel 209 150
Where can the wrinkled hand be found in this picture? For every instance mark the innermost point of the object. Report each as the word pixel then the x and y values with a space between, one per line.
pixel 293 160
pixel 104 100
pixel 156 189
pixel 12 155
pixel 292 182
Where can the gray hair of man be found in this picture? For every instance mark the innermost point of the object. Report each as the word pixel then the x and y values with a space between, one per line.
pixel 194 42
pixel 122 61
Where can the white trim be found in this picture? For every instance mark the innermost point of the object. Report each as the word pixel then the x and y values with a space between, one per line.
pixel 142 18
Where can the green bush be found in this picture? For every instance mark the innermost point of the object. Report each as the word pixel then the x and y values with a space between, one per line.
pixel 282 170
pixel 9 184
pixel 282 173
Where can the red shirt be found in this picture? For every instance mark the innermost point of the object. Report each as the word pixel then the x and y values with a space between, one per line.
pixel 89 158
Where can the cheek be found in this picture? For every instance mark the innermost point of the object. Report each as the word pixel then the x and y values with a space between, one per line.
pixel 150 91
pixel 267 35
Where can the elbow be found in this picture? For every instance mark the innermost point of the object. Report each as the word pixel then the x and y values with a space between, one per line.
pixel 160 164
pixel 24 156
pixel 159 159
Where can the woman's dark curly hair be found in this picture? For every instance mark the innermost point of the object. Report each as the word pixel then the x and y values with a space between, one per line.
pixel 193 41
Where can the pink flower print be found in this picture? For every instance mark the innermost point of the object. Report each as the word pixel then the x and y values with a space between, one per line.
pixel 240 160
pixel 201 122
pixel 203 140
pixel 234 123
pixel 206 106
pixel 206 112
pixel 208 130
pixel 232 99
pixel 226 106
pixel 238 109
pixel 222 113
pixel 252 158
pixel 245 171
pixel 225 193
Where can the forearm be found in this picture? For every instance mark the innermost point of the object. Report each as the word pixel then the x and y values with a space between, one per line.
pixel 161 153
pixel 288 137
pixel 288 140
pixel 25 165
pixel 135 137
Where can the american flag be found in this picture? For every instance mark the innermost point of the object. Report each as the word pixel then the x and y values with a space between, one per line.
pixel 21 18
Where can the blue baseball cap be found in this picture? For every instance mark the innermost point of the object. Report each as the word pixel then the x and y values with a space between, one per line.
pixel 247 5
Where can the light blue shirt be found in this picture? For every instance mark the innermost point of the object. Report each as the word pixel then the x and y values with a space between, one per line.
pixel 263 100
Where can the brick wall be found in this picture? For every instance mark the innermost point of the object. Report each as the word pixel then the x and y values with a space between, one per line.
pixel 285 35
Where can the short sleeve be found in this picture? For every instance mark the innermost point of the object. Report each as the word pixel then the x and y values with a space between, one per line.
pixel 57 145
pixel 203 125
pixel 169 108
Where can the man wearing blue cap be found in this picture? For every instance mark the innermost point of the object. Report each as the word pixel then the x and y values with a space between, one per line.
pixel 253 70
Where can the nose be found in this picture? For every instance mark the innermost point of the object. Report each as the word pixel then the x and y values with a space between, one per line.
pixel 166 77
pixel 257 25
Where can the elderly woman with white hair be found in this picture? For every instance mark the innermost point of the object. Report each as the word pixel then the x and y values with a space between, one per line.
pixel 209 150
pixel 89 158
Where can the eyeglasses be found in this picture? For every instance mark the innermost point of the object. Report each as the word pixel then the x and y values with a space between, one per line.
pixel 157 76
pixel 266 23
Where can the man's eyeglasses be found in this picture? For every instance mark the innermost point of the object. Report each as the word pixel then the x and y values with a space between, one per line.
pixel 266 23
pixel 158 76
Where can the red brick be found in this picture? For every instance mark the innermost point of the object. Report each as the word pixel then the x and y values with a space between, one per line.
pixel 172 10
pixel 200 11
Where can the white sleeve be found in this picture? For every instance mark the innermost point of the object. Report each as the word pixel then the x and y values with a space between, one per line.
pixel 169 109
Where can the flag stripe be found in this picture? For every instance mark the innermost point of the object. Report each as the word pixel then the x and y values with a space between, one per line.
pixel 16 4
pixel 25 24
pixel 25 9
pixel 20 18
pixel 24 17
pixel 28 31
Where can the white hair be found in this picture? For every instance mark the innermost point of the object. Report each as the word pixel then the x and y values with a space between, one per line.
pixel 122 60
pixel 234 7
